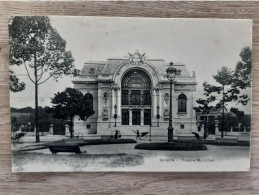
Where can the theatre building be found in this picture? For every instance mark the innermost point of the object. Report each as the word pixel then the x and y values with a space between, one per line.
pixel 133 93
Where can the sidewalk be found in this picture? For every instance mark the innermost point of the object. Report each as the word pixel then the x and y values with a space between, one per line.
pixel 28 142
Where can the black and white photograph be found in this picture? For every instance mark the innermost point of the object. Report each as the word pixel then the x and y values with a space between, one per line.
pixel 130 94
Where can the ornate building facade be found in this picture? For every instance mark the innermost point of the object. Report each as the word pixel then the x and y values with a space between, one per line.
pixel 133 94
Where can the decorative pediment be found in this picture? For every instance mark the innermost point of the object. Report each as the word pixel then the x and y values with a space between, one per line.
pixel 137 58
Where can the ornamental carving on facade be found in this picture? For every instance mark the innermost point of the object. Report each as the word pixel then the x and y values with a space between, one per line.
pixel 166 97
pixel 136 58
pixel 91 71
pixel 105 113
pixel 166 113
pixel 105 97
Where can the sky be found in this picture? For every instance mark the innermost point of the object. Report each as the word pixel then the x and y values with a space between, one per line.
pixel 203 45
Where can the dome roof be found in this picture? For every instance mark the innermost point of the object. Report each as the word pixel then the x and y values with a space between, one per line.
pixel 109 67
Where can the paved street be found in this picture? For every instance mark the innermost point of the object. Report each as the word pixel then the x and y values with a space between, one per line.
pixel 123 157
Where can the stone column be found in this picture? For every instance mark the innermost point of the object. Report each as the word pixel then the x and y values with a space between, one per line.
pixel 51 127
pixel 216 127
pixel 154 102
pixel 113 102
pixel 141 97
pixel 160 101
pixel 239 128
pixel 231 128
pixel 202 128
pixel 67 132
pixel 244 128
pixel 157 97
pixel 118 102
pixel 141 117
pixel 129 92
pixel 99 102
pixel 130 117
pixel 34 128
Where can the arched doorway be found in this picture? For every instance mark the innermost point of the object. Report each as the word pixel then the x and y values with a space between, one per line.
pixel 136 98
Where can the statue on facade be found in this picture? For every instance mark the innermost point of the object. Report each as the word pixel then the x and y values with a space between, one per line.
pixel 136 58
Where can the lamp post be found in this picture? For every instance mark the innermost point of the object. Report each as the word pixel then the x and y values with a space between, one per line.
pixel 115 114
pixel 171 72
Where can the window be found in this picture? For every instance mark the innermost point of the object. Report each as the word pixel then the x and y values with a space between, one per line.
pixel 89 99
pixel 147 117
pixel 182 102
pixel 88 126
pixel 125 117
pixel 147 98
pixel 181 126
pixel 135 97
pixel 125 97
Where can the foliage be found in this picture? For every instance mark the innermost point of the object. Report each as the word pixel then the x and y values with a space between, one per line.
pixel 26 115
pixel 203 105
pixel 242 74
pixel 22 110
pixel 229 88
pixel 15 85
pixel 231 83
pixel 71 103
pixel 35 44
pixel 237 112
pixel 229 120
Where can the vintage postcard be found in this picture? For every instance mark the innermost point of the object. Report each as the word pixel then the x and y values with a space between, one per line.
pixel 130 94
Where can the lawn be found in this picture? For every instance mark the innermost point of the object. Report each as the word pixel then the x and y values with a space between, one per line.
pixel 34 161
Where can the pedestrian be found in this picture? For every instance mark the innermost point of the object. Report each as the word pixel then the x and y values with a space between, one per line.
pixel 205 134
pixel 116 136
pixel 138 135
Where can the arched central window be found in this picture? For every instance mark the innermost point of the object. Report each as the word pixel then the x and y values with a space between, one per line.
pixel 136 98
pixel 136 86
pixel 182 103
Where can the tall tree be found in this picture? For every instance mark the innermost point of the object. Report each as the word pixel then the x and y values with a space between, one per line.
pixel 71 103
pixel 35 44
pixel 231 85
pixel 226 89
pixel 242 75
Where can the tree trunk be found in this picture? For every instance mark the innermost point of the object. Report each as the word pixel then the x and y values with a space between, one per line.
pixel 223 114
pixel 36 101
pixel 71 127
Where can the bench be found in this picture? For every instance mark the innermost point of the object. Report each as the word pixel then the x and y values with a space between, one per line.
pixel 65 148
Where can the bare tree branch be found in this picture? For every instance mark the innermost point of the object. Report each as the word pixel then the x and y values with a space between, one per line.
pixel 45 80
pixel 42 72
pixel 28 73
